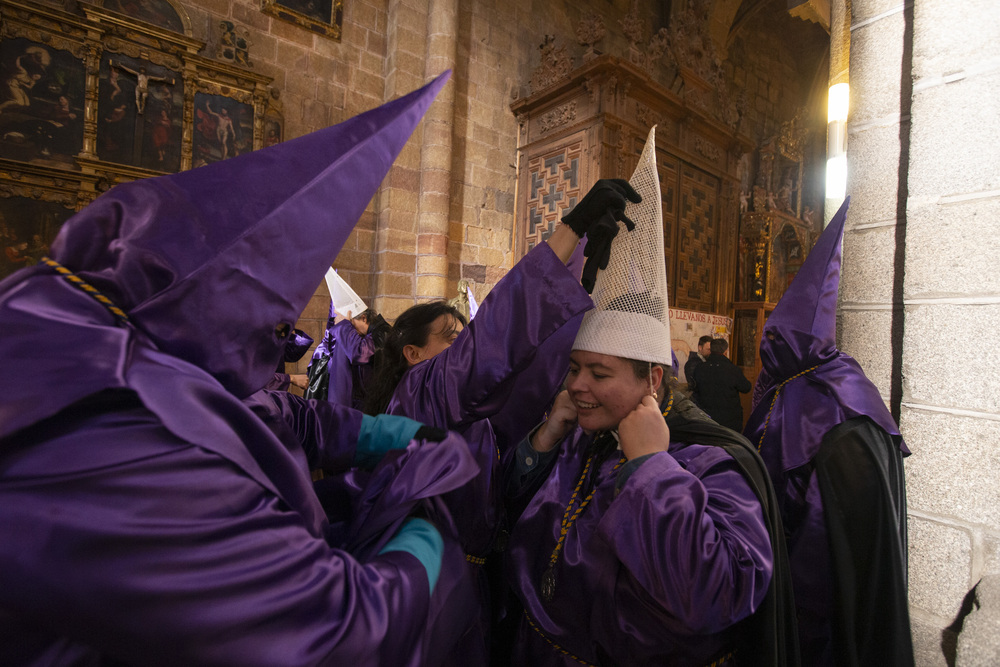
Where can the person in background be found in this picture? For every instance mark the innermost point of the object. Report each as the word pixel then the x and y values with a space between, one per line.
pixel 295 348
pixel 148 515
pixel 695 359
pixel 718 383
pixel 341 365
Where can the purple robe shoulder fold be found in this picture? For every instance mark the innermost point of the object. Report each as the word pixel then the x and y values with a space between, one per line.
pixel 496 371
pixel 220 514
pixel 658 572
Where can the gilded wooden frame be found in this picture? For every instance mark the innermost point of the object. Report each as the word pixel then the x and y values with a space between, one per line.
pixel 325 17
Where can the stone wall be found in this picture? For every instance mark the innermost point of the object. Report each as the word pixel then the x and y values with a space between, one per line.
pixel 920 299
pixel 762 69
pixel 446 210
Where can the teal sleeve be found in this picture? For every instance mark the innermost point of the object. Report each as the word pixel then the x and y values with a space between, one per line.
pixel 419 538
pixel 380 434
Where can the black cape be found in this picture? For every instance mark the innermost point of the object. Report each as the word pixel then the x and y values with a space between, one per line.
pixel 769 637
pixel 860 472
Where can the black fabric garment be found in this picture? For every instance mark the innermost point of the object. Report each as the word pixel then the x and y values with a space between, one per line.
pixel 693 361
pixel 319 378
pixel 718 384
pixel 769 637
pixel 860 472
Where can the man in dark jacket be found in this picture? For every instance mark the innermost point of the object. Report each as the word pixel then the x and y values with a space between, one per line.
pixel 696 359
pixel 718 384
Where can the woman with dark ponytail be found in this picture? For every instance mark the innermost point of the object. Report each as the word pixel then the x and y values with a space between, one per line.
pixel 492 380
pixel 412 329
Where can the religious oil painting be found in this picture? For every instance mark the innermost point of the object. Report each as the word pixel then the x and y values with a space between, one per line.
pixel 324 17
pixel 139 114
pixel 27 228
pixel 223 128
pixel 158 12
pixel 272 132
pixel 41 104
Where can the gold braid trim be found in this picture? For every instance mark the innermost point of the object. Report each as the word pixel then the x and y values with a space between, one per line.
pixel 775 398
pixel 87 288
pixel 670 404
pixel 475 560
pixel 553 644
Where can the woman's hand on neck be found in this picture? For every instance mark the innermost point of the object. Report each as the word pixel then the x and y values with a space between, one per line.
pixel 644 431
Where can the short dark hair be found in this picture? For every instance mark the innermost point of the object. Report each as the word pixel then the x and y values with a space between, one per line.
pixel 367 315
pixel 704 339
pixel 643 368
pixel 719 346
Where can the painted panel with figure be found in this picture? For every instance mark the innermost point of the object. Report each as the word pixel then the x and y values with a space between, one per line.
pixel 157 12
pixel 223 128
pixel 41 104
pixel 27 229
pixel 325 17
pixel 140 114
pixel 272 132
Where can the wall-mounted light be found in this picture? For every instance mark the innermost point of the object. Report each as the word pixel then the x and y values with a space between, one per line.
pixel 836 144
pixel 838 103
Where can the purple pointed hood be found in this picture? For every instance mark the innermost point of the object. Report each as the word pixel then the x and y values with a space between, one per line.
pixel 807 385
pixel 207 263
pixel 802 330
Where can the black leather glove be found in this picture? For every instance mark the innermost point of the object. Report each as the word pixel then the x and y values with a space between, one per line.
pixel 431 433
pixel 597 216
pixel 602 205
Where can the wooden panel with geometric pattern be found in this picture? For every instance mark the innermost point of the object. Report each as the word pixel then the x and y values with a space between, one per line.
pixel 553 189
pixel 666 167
pixel 697 250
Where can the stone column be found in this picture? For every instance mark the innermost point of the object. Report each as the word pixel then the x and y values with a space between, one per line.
pixel 410 261
pixel 878 140
pixel 920 293
pixel 950 411
pixel 436 155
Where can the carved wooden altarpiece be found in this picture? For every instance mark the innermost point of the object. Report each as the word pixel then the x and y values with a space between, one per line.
pixel 592 123
pixel 111 92
pixel 777 231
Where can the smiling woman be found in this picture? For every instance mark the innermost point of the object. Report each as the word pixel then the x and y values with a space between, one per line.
pixel 601 391
pixel 632 548
pixel 492 380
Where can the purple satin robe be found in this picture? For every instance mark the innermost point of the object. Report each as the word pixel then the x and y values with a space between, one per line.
pixel 160 522
pixel 509 362
pixel 538 303
pixel 348 362
pixel 148 516
pixel 349 365
pixel 806 388
pixel 657 574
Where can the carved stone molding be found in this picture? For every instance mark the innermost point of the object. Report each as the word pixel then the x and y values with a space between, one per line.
pixel 589 32
pixel 707 149
pixel 792 137
pixel 555 66
pixel 646 116
pixel 557 117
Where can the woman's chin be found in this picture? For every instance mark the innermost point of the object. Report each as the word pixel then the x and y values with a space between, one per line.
pixel 593 425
